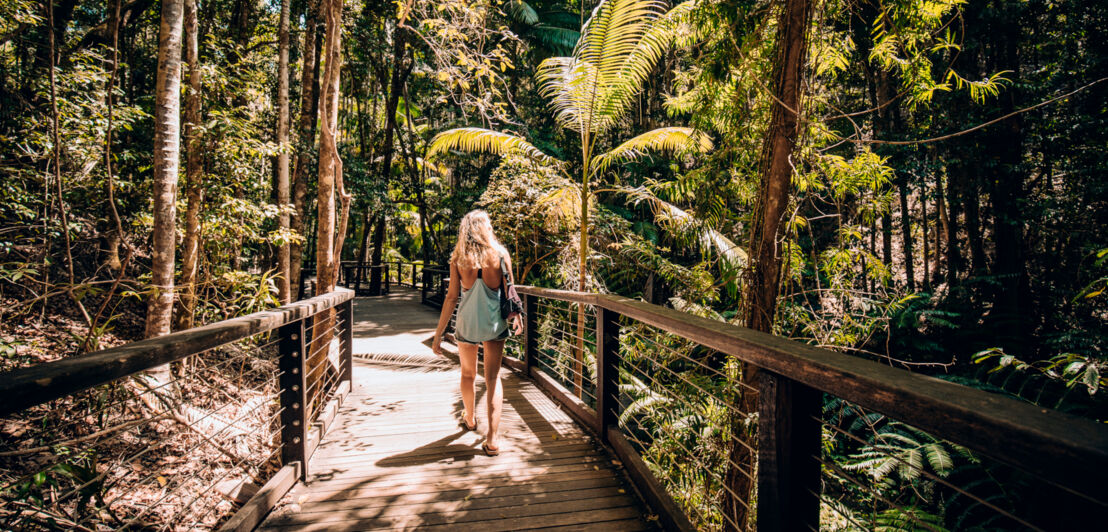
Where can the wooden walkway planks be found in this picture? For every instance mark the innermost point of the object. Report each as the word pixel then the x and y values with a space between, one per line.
pixel 396 458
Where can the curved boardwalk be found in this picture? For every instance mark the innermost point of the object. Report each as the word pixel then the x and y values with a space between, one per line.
pixel 395 458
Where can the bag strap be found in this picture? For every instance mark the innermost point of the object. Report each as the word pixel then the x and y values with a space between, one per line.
pixel 504 272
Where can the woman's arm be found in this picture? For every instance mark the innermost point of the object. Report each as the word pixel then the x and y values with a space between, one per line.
pixel 448 303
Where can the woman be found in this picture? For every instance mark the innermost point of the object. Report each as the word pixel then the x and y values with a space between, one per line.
pixel 476 270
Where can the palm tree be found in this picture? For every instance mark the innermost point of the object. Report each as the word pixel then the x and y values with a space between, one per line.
pixel 591 92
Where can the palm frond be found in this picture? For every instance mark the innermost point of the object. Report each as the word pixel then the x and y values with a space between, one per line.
pixel 618 48
pixel 556 38
pixel 677 220
pixel 479 140
pixel 661 140
pixel 522 12
pixel 564 203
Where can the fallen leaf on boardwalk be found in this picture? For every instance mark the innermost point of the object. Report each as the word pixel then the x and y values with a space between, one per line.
pixel 555 436
pixel 617 463
pixel 597 468
pixel 466 498
pixel 621 490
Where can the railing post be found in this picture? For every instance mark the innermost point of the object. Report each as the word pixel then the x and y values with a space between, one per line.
pixel 788 447
pixel 530 333
pixel 292 349
pixel 346 347
pixel 607 371
pixel 387 282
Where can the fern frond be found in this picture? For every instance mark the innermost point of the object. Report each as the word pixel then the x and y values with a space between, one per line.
pixel 479 140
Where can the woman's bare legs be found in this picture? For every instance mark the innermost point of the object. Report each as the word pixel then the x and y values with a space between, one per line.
pixel 467 354
pixel 493 394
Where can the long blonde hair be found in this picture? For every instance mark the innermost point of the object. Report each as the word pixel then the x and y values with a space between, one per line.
pixel 475 241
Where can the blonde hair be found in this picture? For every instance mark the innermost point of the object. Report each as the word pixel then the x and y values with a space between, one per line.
pixel 475 241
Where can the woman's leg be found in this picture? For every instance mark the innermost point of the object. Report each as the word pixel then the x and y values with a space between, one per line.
pixel 467 354
pixel 494 395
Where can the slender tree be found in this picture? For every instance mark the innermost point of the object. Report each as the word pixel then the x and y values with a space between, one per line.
pixel 190 250
pixel 167 133
pixel 283 268
pixel 774 190
pixel 591 92
pixel 309 89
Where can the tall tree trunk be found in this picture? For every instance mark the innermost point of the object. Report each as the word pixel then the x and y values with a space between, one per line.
pixel 378 251
pixel 764 271
pixel 367 229
pixel 190 253
pixel 167 133
pixel 1007 192
pixel 330 166
pixel 971 198
pixel 396 84
pixel 328 237
pixel 942 228
pixel 953 255
pixel 283 284
pixel 925 241
pixel 309 88
pixel 906 232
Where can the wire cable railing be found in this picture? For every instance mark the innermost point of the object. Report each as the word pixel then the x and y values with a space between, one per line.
pixel 724 428
pixel 176 431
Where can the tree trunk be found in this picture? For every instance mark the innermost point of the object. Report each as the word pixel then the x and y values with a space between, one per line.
pixel 942 229
pixel 330 166
pixel 190 253
pixel 764 271
pixel 1007 194
pixel 283 283
pixel 328 238
pixel 309 86
pixel 953 256
pixel 167 133
pixel 378 247
pixel 925 240
pixel 906 231
pixel 971 197
pixel 399 76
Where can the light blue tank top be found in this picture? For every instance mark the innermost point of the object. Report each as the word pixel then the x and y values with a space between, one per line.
pixel 479 314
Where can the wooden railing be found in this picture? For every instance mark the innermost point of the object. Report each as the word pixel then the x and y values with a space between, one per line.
pixel 663 389
pixel 121 440
pixel 358 277
pixel 436 280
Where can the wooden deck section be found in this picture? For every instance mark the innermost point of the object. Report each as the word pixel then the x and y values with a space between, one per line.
pixel 396 457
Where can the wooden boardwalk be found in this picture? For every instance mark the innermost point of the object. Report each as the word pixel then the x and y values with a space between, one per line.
pixel 396 458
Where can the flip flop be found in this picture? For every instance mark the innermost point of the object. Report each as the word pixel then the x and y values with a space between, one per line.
pixel 467 426
pixel 489 450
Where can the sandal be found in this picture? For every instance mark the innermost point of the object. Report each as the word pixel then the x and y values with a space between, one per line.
pixel 489 450
pixel 467 426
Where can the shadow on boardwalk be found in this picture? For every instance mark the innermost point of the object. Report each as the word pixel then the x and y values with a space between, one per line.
pixel 396 457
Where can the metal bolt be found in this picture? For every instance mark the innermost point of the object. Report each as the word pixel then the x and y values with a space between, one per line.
pixel 296 406
pixel 295 371
pixel 296 439
pixel 295 387
pixel 296 422
pixel 295 336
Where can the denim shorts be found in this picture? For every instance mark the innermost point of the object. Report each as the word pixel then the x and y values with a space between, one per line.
pixel 503 336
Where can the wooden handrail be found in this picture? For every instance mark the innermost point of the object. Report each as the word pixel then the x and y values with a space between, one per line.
pixel 1054 445
pixel 27 387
